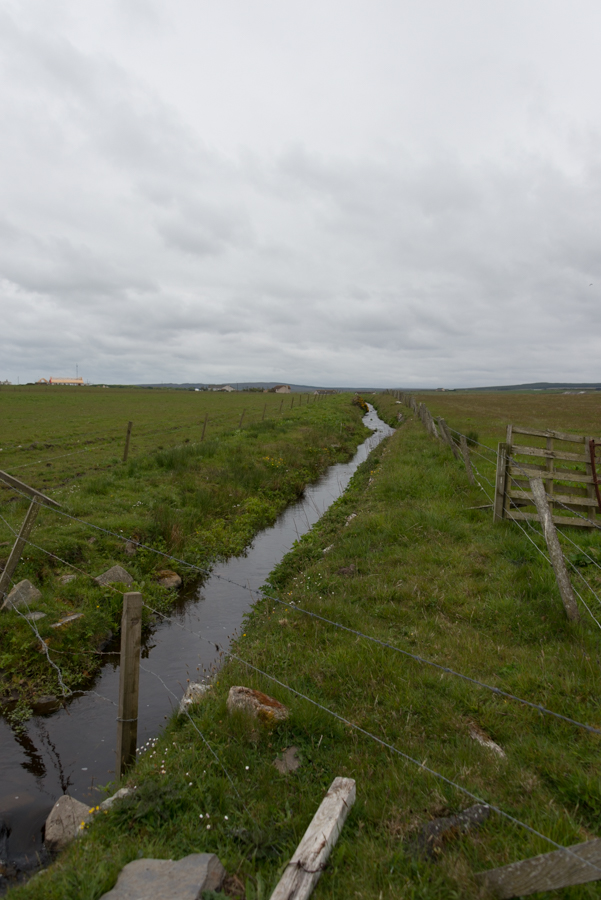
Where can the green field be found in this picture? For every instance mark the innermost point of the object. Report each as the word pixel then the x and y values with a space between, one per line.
pixel 420 568
pixel 198 500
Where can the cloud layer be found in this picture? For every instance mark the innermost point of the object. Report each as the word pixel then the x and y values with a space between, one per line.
pixel 219 195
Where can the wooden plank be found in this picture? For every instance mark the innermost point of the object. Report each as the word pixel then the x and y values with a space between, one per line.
pixel 592 493
pixel 129 681
pixel 557 435
pixel 25 489
pixel 547 872
pixel 500 481
pixel 548 454
pixel 558 520
pixel 304 869
pixel 17 550
pixel 557 561
pixel 556 498
pixel 527 470
pixel 524 484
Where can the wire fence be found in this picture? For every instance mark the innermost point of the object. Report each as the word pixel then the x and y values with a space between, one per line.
pixel 421 765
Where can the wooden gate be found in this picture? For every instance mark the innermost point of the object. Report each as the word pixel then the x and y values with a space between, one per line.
pixel 568 477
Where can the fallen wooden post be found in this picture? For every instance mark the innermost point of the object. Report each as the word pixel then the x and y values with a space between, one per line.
pixel 37 499
pixel 555 552
pixel 304 869
pixel 127 437
pixel 547 872
pixel 129 681
pixel 466 459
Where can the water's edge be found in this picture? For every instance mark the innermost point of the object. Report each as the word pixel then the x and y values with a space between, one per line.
pixel 73 750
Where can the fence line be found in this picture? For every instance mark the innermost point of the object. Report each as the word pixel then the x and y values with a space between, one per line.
pixel 270 597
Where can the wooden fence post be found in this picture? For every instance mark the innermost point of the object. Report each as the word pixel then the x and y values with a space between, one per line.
pixel 500 483
pixel 127 436
pixel 466 459
pixel 15 553
pixel 241 417
pixel 204 427
pixel 291 401
pixel 281 404
pixel 263 416
pixel 304 869
pixel 37 499
pixel 129 681
pixel 557 561
pixel 448 437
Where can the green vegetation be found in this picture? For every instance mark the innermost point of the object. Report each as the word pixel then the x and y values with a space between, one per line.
pixel 420 569
pixel 198 500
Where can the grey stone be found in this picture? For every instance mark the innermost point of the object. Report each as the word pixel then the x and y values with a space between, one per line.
pixel 35 616
pixel 68 619
pixel 22 594
pixel 258 704
pixel 157 879
pixel 433 835
pixel 131 548
pixel 195 692
pixel 124 792
pixel 289 761
pixel 65 579
pixel 65 822
pixel 169 579
pixel 114 575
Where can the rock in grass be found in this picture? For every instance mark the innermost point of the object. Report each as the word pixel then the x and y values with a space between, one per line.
pixel 431 838
pixel 131 548
pixel 289 761
pixel 123 792
pixel 195 692
pixel 258 704
pixel 65 579
pixel 65 822
pixel 35 616
pixel 169 579
pixel 22 594
pixel 114 575
pixel 156 879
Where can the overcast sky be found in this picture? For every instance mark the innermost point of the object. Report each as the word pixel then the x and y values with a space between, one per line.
pixel 378 192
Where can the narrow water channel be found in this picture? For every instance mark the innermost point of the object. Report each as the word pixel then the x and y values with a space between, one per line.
pixel 73 750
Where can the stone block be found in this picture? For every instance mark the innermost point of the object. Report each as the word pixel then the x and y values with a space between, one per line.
pixel 258 704
pixel 65 822
pixel 114 575
pixel 157 879
pixel 195 692
pixel 22 594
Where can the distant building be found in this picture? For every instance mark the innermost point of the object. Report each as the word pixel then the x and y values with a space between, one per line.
pixel 70 381
pixel 221 387
pixel 280 389
pixel 6 382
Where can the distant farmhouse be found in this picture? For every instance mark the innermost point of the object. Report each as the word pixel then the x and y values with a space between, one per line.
pixel 279 389
pixel 6 382
pixel 70 381
pixel 221 387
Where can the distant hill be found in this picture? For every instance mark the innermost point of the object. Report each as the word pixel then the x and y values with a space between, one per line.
pixel 265 385
pixel 543 386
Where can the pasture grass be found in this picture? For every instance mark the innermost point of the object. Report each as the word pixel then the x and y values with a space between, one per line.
pixel 415 566
pixel 198 501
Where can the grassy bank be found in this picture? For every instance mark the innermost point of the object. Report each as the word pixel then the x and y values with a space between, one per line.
pixel 415 567
pixel 198 501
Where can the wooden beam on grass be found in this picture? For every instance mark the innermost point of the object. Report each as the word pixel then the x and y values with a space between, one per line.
pixel 547 872
pixel 304 869
pixel 555 551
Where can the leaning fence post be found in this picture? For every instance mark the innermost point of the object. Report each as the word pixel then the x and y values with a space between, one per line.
pixel 241 417
pixel 129 681
pixel 466 458
pixel 127 436
pixel 15 553
pixel 447 436
pixel 561 573
pixel 204 427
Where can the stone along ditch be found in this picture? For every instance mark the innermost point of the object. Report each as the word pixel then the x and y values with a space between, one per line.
pixel 72 750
